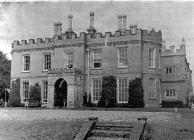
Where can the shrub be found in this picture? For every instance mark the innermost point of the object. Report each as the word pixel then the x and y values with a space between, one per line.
pixel 136 93
pixel 172 104
pixel 35 94
pixel 14 97
pixel 108 98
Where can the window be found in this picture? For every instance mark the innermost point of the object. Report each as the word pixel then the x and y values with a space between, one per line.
pixel 25 90
pixel 170 70
pixel 97 88
pixel 47 62
pixel 123 90
pixel 45 91
pixel 97 58
pixel 69 59
pixel 151 57
pixel 170 93
pixel 26 63
pixel 122 57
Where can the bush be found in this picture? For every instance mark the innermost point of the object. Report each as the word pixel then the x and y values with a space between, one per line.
pixel 35 94
pixel 14 97
pixel 172 104
pixel 136 93
pixel 108 98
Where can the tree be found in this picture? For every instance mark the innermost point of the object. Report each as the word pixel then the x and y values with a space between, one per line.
pixel 14 97
pixel 108 98
pixel 5 68
pixel 136 93
pixel 35 94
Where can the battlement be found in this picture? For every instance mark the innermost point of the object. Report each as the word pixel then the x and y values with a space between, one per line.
pixel 137 34
pixel 45 41
pixel 70 37
pixel 172 50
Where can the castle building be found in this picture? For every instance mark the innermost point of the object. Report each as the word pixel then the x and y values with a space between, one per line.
pixel 67 66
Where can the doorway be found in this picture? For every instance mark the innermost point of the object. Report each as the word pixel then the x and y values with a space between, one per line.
pixel 60 96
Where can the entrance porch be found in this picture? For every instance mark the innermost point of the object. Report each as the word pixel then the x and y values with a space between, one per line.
pixel 64 88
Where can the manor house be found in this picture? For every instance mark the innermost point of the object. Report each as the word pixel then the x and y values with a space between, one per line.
pixel 68 65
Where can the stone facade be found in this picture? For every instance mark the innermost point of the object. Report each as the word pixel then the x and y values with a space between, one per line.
pixel 93 55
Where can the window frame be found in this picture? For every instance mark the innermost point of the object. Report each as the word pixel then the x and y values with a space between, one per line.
pixel 170 95
pixel 99 88
pixel 170 70
pixel 44 100
pixel 97 59
pixel 118 89
pixel 44 61
pixel 126 55
pixel 24 63
pixel 67 59
pixel 24 90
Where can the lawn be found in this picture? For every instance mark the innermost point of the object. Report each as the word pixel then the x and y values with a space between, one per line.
pixel 63 124
pixel 39 130
pixel 179 129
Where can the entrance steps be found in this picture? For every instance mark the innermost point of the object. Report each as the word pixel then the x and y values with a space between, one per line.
pixel 113 130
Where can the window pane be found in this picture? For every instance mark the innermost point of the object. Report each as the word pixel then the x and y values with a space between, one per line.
pixel 45 90
pixel 97 58
pixel 25 90
pixel 122 58
pixel 47 61
pixel 69 58
pixel 26 63
pixel 97 87
pixel 123 90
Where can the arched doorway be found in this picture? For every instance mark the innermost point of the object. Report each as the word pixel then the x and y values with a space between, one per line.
pixel 60 98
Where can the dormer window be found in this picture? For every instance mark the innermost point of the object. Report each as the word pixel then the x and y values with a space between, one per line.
pixel 97 58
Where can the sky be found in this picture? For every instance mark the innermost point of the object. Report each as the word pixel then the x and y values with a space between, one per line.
pixel 26 20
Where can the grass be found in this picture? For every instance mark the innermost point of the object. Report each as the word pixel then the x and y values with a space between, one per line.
pixel 178 129
pixel 39 130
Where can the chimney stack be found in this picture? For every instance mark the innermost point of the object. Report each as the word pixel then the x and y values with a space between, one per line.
pixel 59 28
pixel 119 22
pixel 70 22
pixel 183 41
pixel 55 28
pixel 133 29
pixel 124 22
pixel 91 20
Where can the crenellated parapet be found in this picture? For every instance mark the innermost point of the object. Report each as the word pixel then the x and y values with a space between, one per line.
pixel 68 38
pixel 172 50
pixel 152 35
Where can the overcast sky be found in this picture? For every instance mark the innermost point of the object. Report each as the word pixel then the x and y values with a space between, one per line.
pixel 36 19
